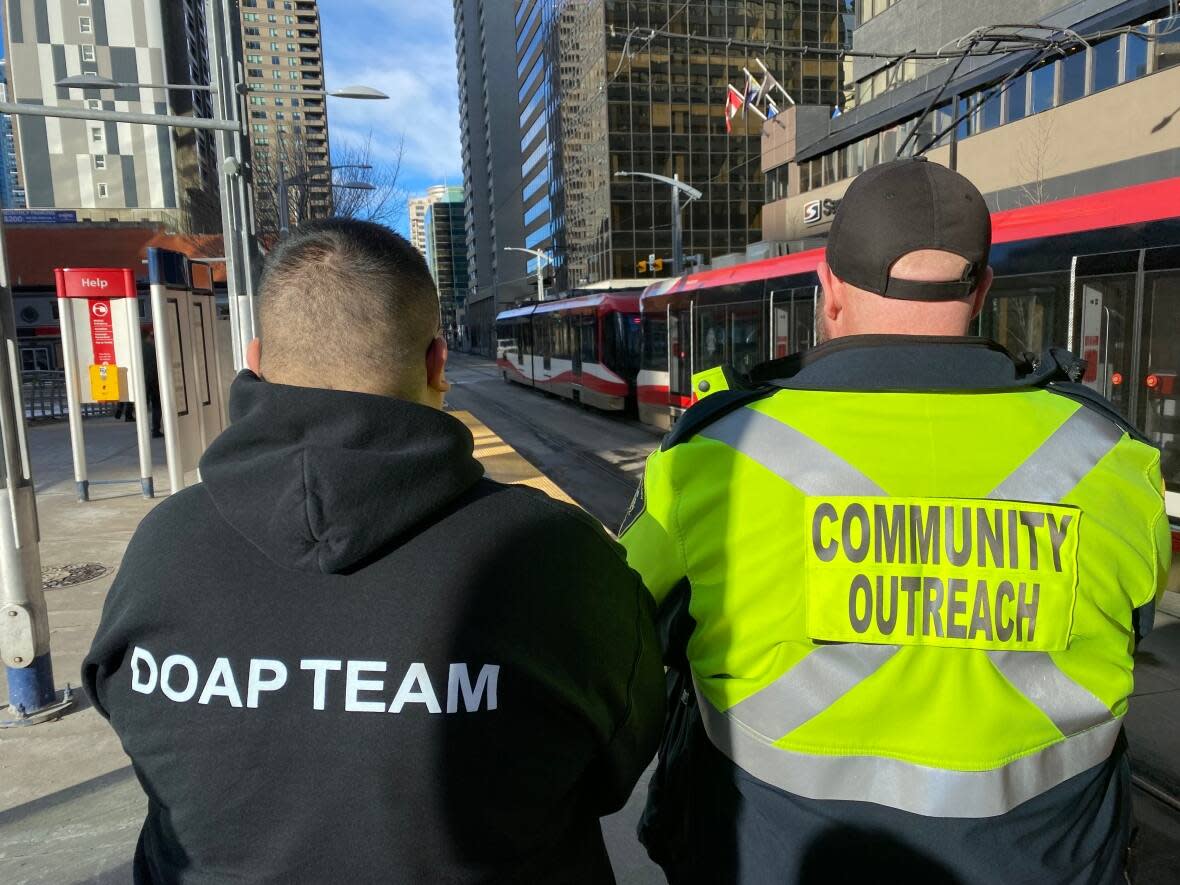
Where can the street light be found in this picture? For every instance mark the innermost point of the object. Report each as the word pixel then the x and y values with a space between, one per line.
pixel 678 187
pixel 541 257
pixel 286 183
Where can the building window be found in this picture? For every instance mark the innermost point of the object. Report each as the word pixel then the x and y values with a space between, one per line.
pixel 989 112
pixel 93 104
pixel 254 59
pixel 257 99
pixel 1016 104
pixel 1167 43
pixel 96 135
pixel 84 24
pixel 100 162
pixel 253 72
pixel 1136 54
pixel 262 142
pixel 88 52
pixel 259 115
pixel 103 191
pixel 1044 88
pixel 253 44
pixel 1073 76
pixel 274 59
pixel 1107 63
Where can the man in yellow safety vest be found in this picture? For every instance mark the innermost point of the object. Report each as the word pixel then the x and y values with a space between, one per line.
pixel 914 570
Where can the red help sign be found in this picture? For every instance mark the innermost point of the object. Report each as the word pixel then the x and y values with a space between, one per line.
pixel 102 332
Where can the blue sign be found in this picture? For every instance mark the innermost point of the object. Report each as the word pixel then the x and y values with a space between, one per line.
pixel 40 216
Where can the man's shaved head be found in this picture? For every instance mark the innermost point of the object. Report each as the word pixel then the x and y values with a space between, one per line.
pixel 348 305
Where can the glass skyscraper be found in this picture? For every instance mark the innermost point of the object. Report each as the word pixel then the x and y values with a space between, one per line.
pixel 598 94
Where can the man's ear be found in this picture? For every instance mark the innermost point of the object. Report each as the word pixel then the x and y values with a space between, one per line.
pixel 980 296
pixel 254 357
pixel 436 365
pixel 833 303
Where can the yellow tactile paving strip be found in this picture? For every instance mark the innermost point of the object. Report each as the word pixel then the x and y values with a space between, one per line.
pixel 503 463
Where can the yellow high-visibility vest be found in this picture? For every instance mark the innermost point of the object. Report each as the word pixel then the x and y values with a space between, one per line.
pixel 921 600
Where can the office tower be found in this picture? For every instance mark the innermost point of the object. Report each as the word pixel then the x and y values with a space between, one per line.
pixel 113 171
pixel 417 211
pixel 600 93
pixel 485 41
pixel 283 53
pixel 446 255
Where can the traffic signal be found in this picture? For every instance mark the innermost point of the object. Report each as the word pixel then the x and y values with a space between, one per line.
pixel 641 267
pixel 658 266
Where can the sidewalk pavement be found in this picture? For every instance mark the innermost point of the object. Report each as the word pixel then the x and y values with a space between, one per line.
pixel 70 807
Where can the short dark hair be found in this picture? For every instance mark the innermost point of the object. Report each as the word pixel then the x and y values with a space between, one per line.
pixel 355 294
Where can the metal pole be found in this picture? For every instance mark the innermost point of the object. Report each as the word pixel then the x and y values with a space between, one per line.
pixel 231 166
pixel 143 412
pixel 540 276
pixel 677 244
pixel 36 110
pixel 24 623
pixel 69 350
pixel 284 210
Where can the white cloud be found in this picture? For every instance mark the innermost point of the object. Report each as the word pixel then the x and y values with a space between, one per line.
pixel 407 50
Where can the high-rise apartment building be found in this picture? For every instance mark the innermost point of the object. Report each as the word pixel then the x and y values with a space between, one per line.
pixel 446 255
pixel 599 93
pixel 283 57
pixel 485 42
pixel 113 171
pixel 418 207
pixel 12 192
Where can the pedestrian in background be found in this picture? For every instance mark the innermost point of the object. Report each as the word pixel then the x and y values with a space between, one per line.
pixel 904 578
pixel 346 656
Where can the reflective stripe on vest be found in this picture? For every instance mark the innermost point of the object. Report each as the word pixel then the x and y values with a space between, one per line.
pixel 747 732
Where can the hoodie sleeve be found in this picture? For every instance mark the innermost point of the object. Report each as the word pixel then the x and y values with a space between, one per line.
pixel 616 654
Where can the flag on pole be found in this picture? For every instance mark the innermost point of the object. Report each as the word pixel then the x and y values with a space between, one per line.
pixel 733 103
pixel 771 109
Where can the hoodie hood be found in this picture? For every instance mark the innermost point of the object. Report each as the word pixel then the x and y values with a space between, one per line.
pixel 320 480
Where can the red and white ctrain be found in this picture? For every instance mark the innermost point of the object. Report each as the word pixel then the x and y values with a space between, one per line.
pixel 584 348
pixel 1099 274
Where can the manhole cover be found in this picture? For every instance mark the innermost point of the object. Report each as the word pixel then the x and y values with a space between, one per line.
pixel 58 576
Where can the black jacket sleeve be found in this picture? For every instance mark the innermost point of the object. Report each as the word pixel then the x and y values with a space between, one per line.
pixel 612 652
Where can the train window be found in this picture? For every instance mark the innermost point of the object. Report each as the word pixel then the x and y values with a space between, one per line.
pixel 747 347
pixel 710 340
pixel 621 343
pixel 680 353
pixel 794 321
pixel 655 343
pixel 34 359
pixel 1027 313
pixel 587 328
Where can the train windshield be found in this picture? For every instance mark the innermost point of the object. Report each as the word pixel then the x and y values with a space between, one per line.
pixel 622 342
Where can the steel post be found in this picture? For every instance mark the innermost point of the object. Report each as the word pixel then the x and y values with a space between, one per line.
pixel 24 624
pixel 69 350
pixel 540 277
pixel 677 239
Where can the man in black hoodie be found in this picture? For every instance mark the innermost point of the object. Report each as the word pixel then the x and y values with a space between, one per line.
pixel 346 656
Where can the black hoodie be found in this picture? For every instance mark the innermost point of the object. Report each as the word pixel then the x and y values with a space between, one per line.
pixel 346 656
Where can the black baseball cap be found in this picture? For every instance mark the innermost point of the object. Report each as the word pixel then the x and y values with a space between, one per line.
pixel 902 207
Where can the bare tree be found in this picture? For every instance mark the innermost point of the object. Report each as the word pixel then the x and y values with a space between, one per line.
pixel 310 191
pixel 1036 156
pixel 386 202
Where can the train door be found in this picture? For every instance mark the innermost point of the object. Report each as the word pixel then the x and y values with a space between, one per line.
pixel 1105 293
pixel 1160 363
pixel 680 356
pixel 1129 306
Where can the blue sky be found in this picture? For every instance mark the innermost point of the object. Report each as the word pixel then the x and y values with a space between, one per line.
pixel 405 48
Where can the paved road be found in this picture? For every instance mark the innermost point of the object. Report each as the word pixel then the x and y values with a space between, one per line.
pixel 598 459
